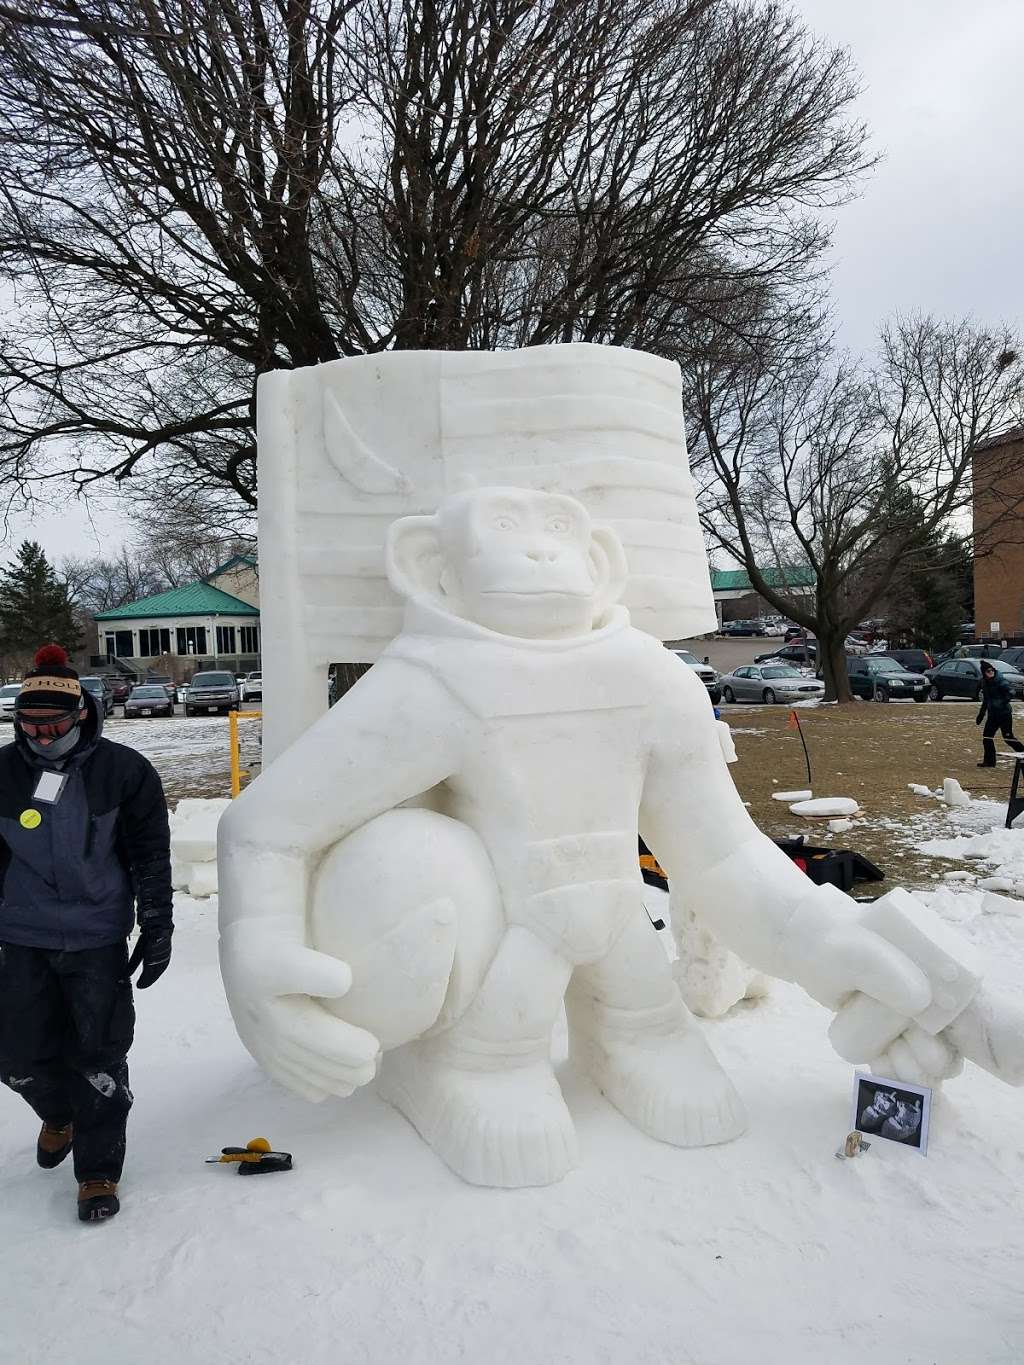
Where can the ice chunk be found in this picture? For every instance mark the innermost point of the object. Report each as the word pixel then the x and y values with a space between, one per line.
pixel 792 796
pixel 838 826
pixel 826 805
pixel 953 794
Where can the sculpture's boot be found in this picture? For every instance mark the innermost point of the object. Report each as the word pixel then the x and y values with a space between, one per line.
pixel 632 1033
pixel 483 1093
pixel 656 1067
pixel 494 1118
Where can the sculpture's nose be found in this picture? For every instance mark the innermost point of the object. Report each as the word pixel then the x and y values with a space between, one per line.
pixel 543 554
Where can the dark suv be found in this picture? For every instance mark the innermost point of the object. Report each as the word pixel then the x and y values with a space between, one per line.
pixel 914 660
pixel 211 692
pixel 881 678
pixel 100 689
pixel 802 653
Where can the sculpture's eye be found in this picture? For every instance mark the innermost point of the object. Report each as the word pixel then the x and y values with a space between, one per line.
pixel 558 526
pixel 504 524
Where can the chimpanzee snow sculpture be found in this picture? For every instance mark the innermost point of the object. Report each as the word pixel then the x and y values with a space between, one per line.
pixel 433 866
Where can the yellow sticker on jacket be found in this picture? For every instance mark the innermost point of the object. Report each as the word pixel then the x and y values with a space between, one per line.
pixel 31 819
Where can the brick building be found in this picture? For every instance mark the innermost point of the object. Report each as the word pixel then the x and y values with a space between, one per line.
pixel 998 470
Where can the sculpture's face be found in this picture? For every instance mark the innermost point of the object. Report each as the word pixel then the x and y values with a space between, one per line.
pixel 522 563
pixel 518 563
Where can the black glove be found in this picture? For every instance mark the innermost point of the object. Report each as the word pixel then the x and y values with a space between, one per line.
pixel 153 950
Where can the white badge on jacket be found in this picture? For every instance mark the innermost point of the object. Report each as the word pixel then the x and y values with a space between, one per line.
pixel 49 787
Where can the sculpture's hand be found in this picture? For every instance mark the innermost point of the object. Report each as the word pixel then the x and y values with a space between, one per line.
pixel 834 956
pixel 272 983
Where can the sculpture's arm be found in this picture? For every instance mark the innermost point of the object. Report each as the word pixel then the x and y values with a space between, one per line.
pixel 751 895
pixel 396 734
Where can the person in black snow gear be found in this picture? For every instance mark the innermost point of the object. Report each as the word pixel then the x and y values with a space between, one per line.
pixel 996 713
pixel 84 853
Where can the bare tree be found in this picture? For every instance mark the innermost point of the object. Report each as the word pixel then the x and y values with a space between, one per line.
pixel 853 474
pixel 195 193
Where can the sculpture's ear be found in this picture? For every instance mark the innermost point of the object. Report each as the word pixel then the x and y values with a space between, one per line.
pixel 608 562
pixel 413 557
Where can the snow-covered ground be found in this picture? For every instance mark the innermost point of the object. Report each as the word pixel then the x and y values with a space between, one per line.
pixel 371 1253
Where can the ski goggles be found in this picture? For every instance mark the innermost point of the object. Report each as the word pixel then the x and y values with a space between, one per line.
pixel 53 727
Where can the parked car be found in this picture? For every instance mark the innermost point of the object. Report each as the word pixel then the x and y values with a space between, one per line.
pixel 1014 656
pixel 794 632
pixel 8 696
pixel 914 660
pixel 856 644
pixel 210 692
pixel 119 688
pixel 770 683
pixel 251 688
pixel 743 628
pixel 805 653
pixel 148 699
pixel 705 672
pixel 962 678
pixel 884 679
pixel 100 689
pixel 989 650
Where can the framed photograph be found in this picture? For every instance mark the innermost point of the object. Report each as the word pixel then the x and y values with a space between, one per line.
pixel 893 1110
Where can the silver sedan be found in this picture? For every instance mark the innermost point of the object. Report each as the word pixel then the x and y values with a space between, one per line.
pixel 770 683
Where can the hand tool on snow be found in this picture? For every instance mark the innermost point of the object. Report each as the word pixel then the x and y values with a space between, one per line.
pixel 255 1158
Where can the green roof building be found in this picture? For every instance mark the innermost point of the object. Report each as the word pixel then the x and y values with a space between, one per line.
pixel 182 630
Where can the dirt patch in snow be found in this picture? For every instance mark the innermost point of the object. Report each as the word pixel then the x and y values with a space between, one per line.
pixel 871 752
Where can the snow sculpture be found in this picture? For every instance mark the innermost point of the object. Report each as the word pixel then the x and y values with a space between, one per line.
pixel 431 868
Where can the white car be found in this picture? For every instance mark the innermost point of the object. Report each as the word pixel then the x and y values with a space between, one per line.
pixel 770 683
pixel 252 687
pixel 8 696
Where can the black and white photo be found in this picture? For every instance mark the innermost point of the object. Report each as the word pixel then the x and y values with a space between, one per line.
pixel 892 1109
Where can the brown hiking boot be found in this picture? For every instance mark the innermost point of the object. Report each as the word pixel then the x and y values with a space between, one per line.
pixel 97 1200
pixel 54 1144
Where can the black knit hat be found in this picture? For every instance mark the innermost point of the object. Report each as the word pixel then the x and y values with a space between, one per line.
pixel 51 683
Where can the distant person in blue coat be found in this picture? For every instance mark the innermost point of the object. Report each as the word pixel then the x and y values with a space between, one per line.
pixel 84 853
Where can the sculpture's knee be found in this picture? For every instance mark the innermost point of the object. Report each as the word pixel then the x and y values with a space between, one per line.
pixel 410 901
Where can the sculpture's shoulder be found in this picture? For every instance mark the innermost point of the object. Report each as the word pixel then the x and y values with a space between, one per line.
pixel 502 676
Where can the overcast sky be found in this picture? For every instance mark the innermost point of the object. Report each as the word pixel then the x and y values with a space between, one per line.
pixel 938 225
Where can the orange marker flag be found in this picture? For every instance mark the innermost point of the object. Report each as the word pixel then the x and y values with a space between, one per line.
pixel 793 721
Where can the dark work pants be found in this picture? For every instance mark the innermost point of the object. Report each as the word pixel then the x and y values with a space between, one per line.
pixel 66 1023
pixel 1003 722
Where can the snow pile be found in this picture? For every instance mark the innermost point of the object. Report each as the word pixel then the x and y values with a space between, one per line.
pixel 999 850
pixel 194 846
pixel 950 793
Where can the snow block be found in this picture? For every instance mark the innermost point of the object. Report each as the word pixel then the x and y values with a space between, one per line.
pixel 792 796
pixel 826 805
pixel 194 830
pixel 953 794
pixel 947 960
pixel 202 880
